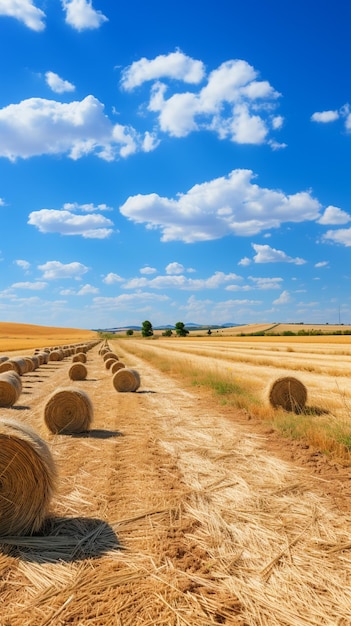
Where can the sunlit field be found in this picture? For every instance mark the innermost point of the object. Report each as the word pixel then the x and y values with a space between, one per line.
pixel 16 337
pixel 242 370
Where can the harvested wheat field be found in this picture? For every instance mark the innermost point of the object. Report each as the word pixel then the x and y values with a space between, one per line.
pixel 175 509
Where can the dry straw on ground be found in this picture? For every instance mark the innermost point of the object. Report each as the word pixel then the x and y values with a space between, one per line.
pixel 288 393
pixel 126 379
pixel 68 410
pixel 10 388
pixel 27 479
pixel 78 371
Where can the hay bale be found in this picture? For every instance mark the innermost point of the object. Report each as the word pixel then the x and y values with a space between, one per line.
pixel 126 379
pixel 10 389
pixel 288 393
pixel 7 366
pixel 68 410
pixel 78 371
pixel 20 364
pixel 79 357
pixel 30 364
pixel 116 365
pixel 110 355
pixel 56 355
pixel 3 358
pixel 109 363
pixel 28 479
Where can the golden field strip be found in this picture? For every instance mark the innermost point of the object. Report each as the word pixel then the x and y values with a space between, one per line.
pixel 30 336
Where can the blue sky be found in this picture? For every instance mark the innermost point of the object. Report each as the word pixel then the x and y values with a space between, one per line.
pixel 184 161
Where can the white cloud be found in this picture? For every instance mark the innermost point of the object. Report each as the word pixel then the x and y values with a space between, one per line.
pixel 266 283
pixel 25 265
pixel 91 226
pixel 230 205
pixel 57 84
pixel 2 202
pixel 87 208
pixel 25 11
pixel 215 281
pixel 112 279
pixel 284 298
pixel 87 289
pixel 244 261
pixel 342 236
pixel 322 264
pixel 38 126
pixel 266 254
pixel 175 268
pixel 325 116
pixel 233 103
pixel 81 15
pixel 175 65
pixel 35 286
pixel 148 270
pixel 53 270
pixel 334 215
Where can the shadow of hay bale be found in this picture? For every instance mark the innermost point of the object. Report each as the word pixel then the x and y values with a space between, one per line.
pixel 96 433
pixel 64 539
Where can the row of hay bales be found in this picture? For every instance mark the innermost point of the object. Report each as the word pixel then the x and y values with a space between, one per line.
pixel 10 387
pixel 124 379
pixel 27 469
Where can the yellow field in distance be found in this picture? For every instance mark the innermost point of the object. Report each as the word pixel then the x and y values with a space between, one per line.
pixel 15 336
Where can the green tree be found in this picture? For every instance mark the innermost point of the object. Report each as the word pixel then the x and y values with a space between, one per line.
pixel 130 332
pixel 167 332
pixel 209 332
pixel 146 329
pixel 181 330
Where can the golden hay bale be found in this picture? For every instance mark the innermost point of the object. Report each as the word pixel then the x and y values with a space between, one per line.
pixel 109 363
pixel 10 389
pixel 7 366
pixel 126 379
pixel 288 393
pixel 68 410
pixel 116 365
pixel 78 371
pixel 20 364
pixel 56 355
pixel 30 363
pixel 110 355
pixel 79 357
pixel 3 358
pixel 28 478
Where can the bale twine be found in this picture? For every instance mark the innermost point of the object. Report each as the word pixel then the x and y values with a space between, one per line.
pixel 288 393
pixel 116 365
pixel 10 390
pixel 28 478
pixel 79 357
pixel 78 371
pixel 7 366
pixel 68 410
pixel 110 355
pixel 126 379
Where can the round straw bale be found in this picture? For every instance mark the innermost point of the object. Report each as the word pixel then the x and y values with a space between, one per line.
pixel 78 371
pixel 20 364
pixel 126 379
pixel 56 355
pixel 7 366
pixel 109 363
pixel 288 393
pixel 10 389
pixel 68 410
pixel 110 355
pixel 28 478
pixel 3 358
pixel 30 363
pixel 79 357
pixel 116 365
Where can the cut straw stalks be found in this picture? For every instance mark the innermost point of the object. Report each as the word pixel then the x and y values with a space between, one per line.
pixel 10 389
pixel 68 411
pixel 78 371
pixel 288 393
pixel 28 477
pixel 126 380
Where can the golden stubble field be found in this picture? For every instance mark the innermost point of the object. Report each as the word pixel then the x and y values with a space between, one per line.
pixel 178 509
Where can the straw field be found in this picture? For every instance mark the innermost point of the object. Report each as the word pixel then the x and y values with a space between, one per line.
pixel 174 509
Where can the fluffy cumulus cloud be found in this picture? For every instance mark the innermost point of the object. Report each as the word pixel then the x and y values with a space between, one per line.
pixel 38 126
pixel 81 15
pixel 148 270
pixel 24 265
pixel 175 268
pixel 234 103
pixel 284 298
pixel 179 281
pixel 175 65
pixel 25 11
pixel 87 290
pixel 334 215
pixel 111 279
pixel 324 117
pixel 266 254
pixel 341 236
pixel 231 205
pixel 57 84
pixel 53 270
pixel 87 208
pixel 90 226
pixel 35 286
